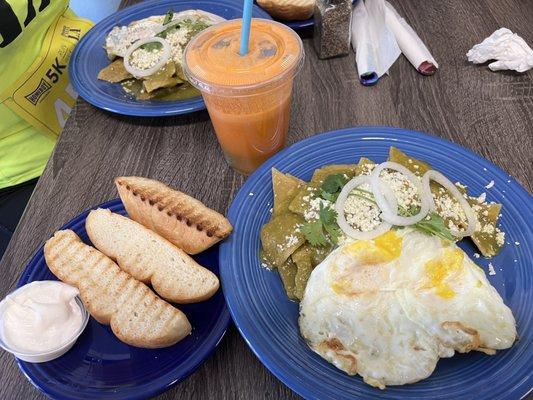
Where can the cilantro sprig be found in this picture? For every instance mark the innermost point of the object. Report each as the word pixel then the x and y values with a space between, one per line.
pixel 324 230
pixel 168 17
pixel 434 226
pixel 332 186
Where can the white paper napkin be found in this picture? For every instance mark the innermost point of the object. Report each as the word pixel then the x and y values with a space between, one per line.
pixel 508 49
pixel 410 43
pixel 374 44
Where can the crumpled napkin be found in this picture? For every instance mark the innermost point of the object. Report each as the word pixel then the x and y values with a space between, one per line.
pixel 374 44
pixel 509 50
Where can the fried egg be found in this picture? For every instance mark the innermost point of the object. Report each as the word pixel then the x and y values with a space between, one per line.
pixel 389 308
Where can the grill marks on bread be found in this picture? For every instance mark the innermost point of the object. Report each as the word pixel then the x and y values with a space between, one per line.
pixel 181 219
pixel 136 315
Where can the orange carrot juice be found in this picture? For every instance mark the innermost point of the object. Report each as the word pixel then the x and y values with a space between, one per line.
pixel 248 97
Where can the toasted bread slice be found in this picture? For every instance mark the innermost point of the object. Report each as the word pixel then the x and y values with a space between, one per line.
pixel 288 9
pixel 136 315
pixel 179 218
pixel 150 258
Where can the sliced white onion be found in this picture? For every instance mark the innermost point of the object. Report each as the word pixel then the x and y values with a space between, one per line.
pixel 161 28
pixel 389 211
pixel 341 218
pixel 436 176
pixel 178 18
pixel 142 73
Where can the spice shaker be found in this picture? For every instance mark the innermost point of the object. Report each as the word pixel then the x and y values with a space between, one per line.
pixel 332 27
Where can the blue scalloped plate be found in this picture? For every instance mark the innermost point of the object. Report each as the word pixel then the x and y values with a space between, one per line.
pixel 100 366
pixel 89 58
pixel 268 320
pixel 297 25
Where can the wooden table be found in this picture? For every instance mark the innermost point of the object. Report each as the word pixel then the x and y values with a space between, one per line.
pixel 490 113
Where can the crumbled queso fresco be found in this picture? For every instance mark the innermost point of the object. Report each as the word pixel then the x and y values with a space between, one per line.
pixel 290 241
pixel 177 40
pixel 311 213
pixel 406 193
pixel 492 271
pixel 144 59
pixel 364 215
pixel 449 208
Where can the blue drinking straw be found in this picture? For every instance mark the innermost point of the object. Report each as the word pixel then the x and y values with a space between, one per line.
pixel 245 30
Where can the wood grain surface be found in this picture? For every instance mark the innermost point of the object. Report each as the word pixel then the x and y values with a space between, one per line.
pixel 490 113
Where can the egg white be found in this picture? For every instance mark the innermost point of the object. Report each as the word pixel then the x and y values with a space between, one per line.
pixel 389 323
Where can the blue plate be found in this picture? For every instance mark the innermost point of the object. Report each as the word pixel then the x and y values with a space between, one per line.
pixel 89 58
pixel 100 366
pixel 268 320
pixel 297 25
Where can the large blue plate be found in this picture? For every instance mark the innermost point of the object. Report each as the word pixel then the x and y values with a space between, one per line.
pixel 100 366
pixel 89 58
pixel 297 25
pixel 268 320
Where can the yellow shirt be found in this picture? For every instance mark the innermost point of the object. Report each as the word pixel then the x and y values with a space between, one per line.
pixel 35 45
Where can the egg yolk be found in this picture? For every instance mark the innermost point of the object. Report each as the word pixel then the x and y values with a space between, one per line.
pixel 441 268
pixel 383 249
pixel 390 243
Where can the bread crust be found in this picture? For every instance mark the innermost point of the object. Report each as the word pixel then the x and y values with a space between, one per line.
pixel 178 217
pixel 150 258
pixel 136 315
pixel 288 9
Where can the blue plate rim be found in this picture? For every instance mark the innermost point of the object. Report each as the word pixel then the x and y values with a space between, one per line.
pixel 145 108
pixel 160 387
pixel 365 132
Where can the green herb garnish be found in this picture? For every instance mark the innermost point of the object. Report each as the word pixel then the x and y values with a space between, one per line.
pixel 324 230
pixel 194 27
pixel 168 17
pixel 434 226
pixel 408 212
pixel 151 46
pixel 363 194
pixel 332 186
pixel 164 33
pixel 314 233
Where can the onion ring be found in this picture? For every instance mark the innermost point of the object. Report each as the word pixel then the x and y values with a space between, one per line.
pixel 341 218
pixel 390 212
pixel 436 176
pixel 178 18
pixel 142 73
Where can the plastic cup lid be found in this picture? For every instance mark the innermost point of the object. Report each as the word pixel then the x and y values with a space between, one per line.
pixel 212 60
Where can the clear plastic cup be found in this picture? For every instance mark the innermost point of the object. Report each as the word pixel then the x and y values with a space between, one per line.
pixel 248 97
pixel 43 356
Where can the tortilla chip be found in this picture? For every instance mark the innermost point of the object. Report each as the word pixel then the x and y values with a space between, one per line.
pixel 164 78
pixel 115 72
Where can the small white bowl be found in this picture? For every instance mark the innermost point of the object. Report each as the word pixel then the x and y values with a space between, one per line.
pixel 35 357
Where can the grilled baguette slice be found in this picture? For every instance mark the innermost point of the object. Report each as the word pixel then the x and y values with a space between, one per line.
pixel 288 9
pixel 136 315
pixel 148 257
pixel 179 218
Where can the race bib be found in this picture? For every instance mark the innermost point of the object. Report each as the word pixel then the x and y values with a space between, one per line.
pixel 42 95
